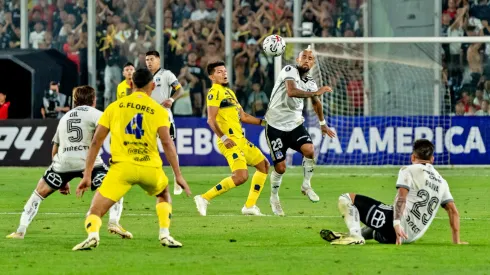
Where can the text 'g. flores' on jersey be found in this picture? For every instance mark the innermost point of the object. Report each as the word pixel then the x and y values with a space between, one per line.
pixel 73 136
pixel 228 117
pixel 284 112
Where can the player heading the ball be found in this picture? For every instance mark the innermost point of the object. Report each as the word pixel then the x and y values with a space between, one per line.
pixel 135 122
pixel 285 127
pixel 421 189
pixel 224 117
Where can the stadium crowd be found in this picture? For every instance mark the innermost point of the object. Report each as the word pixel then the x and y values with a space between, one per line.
pixel 466 67
pixel 194 34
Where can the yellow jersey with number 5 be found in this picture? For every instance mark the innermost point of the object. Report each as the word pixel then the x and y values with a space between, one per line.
pixel 228 117
pixel 133 122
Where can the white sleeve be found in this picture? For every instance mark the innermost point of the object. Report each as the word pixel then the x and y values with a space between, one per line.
pixel 289 72
pixel 446 197
pixel 405 179
pixel 56 138
pixel 171 79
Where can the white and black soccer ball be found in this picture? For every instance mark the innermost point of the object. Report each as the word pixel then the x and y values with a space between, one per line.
pixel 274 45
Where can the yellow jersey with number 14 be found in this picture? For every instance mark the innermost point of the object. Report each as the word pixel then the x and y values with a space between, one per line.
pixel 133 122
pixel 228 117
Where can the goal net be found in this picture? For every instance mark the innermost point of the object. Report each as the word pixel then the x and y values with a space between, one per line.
pixel 385 96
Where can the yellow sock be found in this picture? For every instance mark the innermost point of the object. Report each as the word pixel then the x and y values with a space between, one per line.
pixel 92 223
pixel 256 187
pixel 224 185
pixel 164 213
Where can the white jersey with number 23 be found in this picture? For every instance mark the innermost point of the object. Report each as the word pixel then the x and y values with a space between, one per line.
pixel 427 190
pixel 284 112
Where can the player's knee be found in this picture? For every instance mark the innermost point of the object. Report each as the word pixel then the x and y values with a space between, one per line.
pixel 345 201
pixel 43 189
pixel 240 177
pixel 263 167
pixel 308 151
pixel 280 168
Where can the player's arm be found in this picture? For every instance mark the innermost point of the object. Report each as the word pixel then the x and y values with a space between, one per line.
pixel 213 124
pixel 453 214
pixel 398 209
pixel 101 133
pixel 249 119
pixel 293 91
pixel 318 107
pixel 54 151
pixel 171 154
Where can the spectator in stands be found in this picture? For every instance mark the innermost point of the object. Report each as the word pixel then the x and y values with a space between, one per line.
pixel 478 98
pixel 71 49
pixel 55 104
pixel 484 109
pixel 201 13
pixel 451 10
pixel 4 106
pixel 37 36
pixel 183 105
pixel 257 101
pixel 471 111
pixel 198 89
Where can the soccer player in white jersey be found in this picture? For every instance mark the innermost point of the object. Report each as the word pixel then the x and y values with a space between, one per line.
pixel 70 146
pixel 165 82
pixel 421 189
pixel 285 127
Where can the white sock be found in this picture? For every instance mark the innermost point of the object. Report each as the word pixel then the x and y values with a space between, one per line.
pixel 30 211
pixel 350 214
pixel 276 180
pixel 308 167
pixel 164 232
pixel 116 211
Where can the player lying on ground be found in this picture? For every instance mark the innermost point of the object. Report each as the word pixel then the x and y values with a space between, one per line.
pixel 421 190
pixel 224 116
pixel 165 82
pixel 70 145
pixel 134 121
pixel 285 127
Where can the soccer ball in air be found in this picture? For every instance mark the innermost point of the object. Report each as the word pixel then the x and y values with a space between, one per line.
pixel 274 45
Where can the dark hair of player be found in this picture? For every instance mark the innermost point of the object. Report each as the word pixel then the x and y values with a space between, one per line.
pixel 128 64
pixel 142 77
pixel 423 149
pixel 154 53
pixel 213 65
pixel 83 95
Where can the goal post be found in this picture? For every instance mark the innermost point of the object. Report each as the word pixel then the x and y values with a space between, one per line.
pixel 388 91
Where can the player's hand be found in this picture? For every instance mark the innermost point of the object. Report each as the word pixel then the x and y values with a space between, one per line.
pixel 400 234
pixel 229 143
pixel 65 190
pixel 327 131
pixel 322 90
pixel 83 186
pixel 182 183
pixel 167 103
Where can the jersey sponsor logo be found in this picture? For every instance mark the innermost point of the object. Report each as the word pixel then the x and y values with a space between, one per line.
pixel 18 137
pixel 144 158
pixel 138 151
pixel 75 148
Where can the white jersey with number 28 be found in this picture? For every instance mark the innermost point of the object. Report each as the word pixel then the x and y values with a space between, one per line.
pixel 73 136
pixel 284 112
pixel 427 191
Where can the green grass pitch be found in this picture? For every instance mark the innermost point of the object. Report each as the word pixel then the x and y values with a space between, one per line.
pixel 225 242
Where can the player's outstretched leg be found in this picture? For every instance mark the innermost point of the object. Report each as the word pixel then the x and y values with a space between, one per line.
pixel 238 177
pixel 308 168
pixel 100 205
pixel 41 192
pixel 258 181
pixel 114 216
pixel 352 220
pixel 164 213
pixel 276 180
